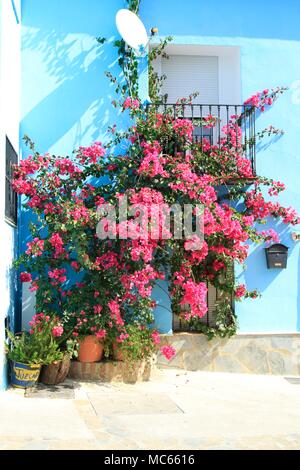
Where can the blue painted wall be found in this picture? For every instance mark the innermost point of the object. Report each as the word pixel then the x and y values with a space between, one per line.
pixel 268 36
pixel 66 102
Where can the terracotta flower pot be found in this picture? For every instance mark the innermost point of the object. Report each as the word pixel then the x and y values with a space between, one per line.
pixel 117 353
pixel 56 373
pixel 90 349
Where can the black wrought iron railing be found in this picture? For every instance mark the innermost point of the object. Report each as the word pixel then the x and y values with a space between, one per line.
pixel 217 124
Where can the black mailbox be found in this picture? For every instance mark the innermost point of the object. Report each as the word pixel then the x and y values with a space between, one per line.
pixel 277 256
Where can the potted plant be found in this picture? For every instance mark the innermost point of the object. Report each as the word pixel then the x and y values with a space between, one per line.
pixel 89 332
pixel 51 328
pixel 27 353
pixel 135 343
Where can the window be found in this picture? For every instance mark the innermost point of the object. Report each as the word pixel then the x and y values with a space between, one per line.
pixel 213 296
pixel 186 74
pixel 216 297
pixel 11 200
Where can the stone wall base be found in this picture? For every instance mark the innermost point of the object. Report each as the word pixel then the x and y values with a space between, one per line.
pixel 277 354
pixel 110 371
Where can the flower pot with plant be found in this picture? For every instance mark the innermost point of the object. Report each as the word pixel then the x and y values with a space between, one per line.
pixel 88 330
pixel 27 353
pixel 90 349
pixel 57 371
pixel 135 343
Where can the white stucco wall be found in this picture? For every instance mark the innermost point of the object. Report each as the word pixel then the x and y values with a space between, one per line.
pixel 9 126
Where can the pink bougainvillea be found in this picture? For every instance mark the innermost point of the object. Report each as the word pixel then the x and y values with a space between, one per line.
pixel 131 103
pixel 169 352
pixel 57 331
pixel 104 284
pixel 25 277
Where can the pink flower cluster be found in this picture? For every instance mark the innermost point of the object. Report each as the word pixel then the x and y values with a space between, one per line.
pixel 270 236
pixel 57 331
pixel 25 277
pixel 131 103
pixel 260 99
pixel 38 319
pixel 261 208
pixel 277 187
pixel 210 121
pixel 220 219
pixel 153 162
pixel 80 213
pixel 91 154
pixel 98 309
pixel 234 135
pixel 184 128
pixel 57 243
pixel 122 337
pixel 36 247
pixel 141 280
pixel 67 167
pixel 107 261
pixel 199 188
pixel 114 308
pixel 194 295
pixel 240 291
pixel 169 352
pixel 156 338
pixel 101 334
pixel 58 275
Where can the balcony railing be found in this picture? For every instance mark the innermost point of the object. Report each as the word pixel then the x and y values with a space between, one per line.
pixel 212 122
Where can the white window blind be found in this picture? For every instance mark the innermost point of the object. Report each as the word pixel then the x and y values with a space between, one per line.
pixel 187 74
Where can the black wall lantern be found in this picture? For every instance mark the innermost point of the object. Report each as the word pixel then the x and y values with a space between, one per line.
pixel 277 256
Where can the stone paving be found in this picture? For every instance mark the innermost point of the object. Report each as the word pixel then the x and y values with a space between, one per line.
pixel 176 410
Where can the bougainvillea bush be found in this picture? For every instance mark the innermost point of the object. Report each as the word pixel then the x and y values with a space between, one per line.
pixel 103 286
pixel 98 272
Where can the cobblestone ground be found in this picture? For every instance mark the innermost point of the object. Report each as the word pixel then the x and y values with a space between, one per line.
pixel 176 410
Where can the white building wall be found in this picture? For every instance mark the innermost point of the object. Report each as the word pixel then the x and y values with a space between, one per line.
pixel 10 32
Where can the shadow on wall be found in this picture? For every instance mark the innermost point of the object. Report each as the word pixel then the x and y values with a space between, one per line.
pixel 80 101
pixel 66 96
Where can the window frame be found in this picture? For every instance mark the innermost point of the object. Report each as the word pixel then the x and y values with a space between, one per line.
pixel 11 197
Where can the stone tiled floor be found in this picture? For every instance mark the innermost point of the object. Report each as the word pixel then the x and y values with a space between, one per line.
pixel 177 410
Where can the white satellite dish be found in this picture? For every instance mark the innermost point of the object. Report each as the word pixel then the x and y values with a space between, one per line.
pixel 132 30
